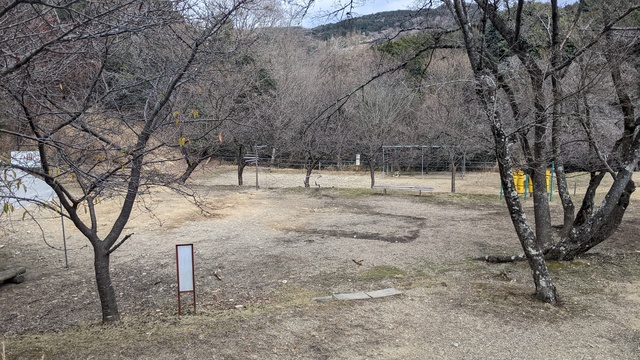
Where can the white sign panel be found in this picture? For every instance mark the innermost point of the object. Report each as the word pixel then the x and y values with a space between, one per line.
pixel 357 159
pixel 185 267
pixel 28 159
pixel 31 189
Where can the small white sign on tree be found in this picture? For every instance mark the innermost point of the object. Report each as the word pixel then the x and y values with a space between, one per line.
pixel 186 273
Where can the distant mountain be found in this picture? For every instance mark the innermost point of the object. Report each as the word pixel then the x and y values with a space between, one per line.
pixel 384 22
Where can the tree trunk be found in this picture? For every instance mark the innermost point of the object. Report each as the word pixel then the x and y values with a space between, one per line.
pixel 106 291
pixel 309 166
pixel 453 176
pixel 565 198
pixel 541 211
pixel 241 167
pixel 193 159
pixel 557 124
pixel 371 164
pixel 241 164
pixel 486 88
pixel 545 289
pixel 191 167
pixel 541 207
pixel 594 229
pixel 586 209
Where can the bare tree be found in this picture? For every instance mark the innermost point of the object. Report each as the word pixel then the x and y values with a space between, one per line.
pixel 224 108
pixel 505 23
pixel 95 85
pixel 305 121
pixel 446 118
pixel 379 115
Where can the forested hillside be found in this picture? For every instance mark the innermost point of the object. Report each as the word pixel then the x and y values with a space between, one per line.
pixel 387 22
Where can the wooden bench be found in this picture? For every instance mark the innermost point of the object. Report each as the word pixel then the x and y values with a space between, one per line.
pixel 420 189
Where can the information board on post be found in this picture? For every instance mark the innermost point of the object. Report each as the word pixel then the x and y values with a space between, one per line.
pixel 186 273
pixel 27 159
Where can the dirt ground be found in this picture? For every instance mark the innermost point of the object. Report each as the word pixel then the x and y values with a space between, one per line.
pixel 262 255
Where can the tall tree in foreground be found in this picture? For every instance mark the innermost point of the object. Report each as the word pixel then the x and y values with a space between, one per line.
pixel 500 41
pixel 91 85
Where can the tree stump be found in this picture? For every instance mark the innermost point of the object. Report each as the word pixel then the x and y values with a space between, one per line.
pixel 15 275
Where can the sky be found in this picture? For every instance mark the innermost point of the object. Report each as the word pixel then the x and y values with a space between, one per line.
pixel 365 7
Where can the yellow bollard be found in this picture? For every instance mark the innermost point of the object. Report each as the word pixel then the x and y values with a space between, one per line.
pixel 518 179
pixel 548 182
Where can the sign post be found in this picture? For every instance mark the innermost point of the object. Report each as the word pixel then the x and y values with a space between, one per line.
pixel 186 273
pixel 253 159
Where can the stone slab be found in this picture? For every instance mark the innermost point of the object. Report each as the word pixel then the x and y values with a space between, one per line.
pixel 360 295
pixel 383 293
pixel 352 296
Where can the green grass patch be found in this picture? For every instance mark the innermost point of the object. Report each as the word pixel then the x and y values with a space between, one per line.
pixel 328 191
pixel 291 296
pixel 460 198
pixel 556 265
pixel 382 272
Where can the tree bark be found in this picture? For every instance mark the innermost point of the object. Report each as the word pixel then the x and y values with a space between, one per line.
pixel 545 289
pixel 453 176
pixel 309 166
pixel 106 291
pixel 565 198
pixel 591 230
pixel 191 167
pixel 371 165
pixel 568 206
pixel 541 209
pixel 241 164
pixel 486 88
pixel 241 167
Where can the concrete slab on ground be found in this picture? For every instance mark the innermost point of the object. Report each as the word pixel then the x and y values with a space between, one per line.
pixel 361 295
pixel 383 293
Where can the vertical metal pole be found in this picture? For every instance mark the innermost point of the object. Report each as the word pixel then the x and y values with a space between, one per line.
pixel 193 276
pixel 383 163
pixel 257 157
pixel 178 276
pixel 64 240
pixel 422 164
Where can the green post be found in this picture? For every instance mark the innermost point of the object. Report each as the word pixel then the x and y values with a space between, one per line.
pixel 526 186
